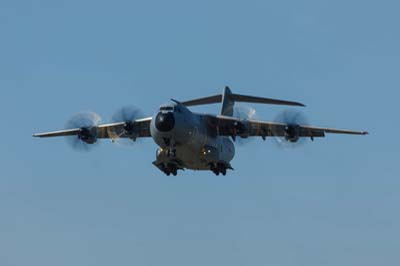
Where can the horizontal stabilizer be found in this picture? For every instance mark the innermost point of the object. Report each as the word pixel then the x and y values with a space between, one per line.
pixel 252 99
pixel 232 97
pixel 205 100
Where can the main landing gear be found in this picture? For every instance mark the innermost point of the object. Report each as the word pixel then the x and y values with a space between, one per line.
pixel 219 168
pixel 169 169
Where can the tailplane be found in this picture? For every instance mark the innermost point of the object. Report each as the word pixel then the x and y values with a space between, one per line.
pixel 228 99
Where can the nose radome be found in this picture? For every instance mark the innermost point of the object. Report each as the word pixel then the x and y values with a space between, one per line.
pixel 165 121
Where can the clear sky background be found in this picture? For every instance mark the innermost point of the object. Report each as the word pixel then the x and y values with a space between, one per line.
pixel 331 202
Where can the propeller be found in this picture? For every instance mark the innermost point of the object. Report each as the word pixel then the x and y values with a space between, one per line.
pixel 293 119
pixel 87 123
pixel 127 114
pixel 244 113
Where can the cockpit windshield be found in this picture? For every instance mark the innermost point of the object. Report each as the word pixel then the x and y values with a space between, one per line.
pixel 166 108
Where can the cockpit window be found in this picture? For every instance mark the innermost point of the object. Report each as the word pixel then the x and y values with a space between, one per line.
pixel 166 108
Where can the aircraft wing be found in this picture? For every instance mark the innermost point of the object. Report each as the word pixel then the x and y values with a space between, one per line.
pixel 141 128
pixel 231 126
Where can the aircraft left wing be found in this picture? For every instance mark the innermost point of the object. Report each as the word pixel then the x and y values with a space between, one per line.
pixel 136 128
pixel 231 126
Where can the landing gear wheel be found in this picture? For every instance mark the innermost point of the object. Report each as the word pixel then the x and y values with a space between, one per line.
pixel 169 169
pixel 218 168
pixel 223 171
pixel 221 168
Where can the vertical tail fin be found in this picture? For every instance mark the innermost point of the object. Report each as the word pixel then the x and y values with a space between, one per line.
pixel 227 102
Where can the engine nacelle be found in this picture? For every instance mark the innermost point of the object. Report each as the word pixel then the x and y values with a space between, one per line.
pixel 88 134
pixel 131 130
pixel 241 129
pixel 292 133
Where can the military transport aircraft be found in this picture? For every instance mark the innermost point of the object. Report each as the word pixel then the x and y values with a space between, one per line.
pixel 189 140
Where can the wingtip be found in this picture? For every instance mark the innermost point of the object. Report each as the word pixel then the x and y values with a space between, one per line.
pixel 365 133
pixel 294 103
pixel 298 104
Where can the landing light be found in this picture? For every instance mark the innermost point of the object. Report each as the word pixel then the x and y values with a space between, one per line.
pixel 204 151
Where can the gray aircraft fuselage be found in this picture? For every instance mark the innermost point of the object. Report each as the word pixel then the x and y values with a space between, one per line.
pixel 186 142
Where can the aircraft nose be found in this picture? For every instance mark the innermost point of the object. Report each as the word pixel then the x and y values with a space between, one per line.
pixel 165 121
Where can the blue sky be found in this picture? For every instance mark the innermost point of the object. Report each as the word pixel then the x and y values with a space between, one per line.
pixel 331 202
